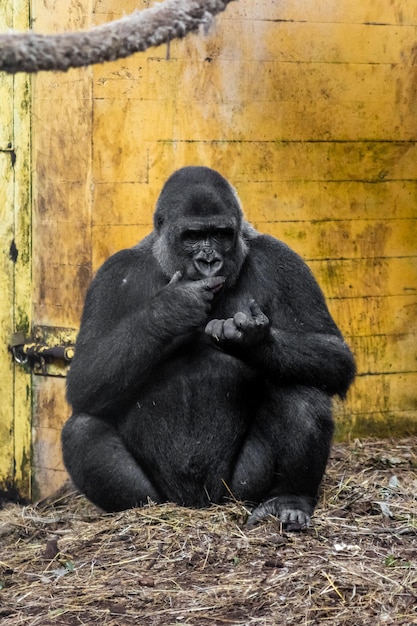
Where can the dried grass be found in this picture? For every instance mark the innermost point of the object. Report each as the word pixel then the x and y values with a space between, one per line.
pixel 63 562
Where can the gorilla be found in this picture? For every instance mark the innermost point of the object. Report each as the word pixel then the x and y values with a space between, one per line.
pixel 205 366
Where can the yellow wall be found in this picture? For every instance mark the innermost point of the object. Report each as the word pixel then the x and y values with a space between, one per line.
pixel 309 108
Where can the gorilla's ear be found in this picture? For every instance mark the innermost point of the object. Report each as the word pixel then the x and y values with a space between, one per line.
pixel 159 222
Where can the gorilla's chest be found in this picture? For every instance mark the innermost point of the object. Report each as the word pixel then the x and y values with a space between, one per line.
pixel 202 373
pixel 200 388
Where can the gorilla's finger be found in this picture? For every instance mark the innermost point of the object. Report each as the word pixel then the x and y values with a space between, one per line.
pixel 176 278
pixel 258 315
pixel 215 329
pixel 294 519
pixel 241 320
pixel 218 330
pixel 230 331
pixel 214 283
pixel 255 309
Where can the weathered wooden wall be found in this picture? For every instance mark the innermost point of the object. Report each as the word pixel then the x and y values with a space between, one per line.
pixel 309 108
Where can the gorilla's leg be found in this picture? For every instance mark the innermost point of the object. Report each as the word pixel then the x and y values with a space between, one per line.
pixel 285 454
pixel 101 466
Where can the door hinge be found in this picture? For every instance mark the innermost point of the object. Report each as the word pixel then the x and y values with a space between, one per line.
pixel 48 352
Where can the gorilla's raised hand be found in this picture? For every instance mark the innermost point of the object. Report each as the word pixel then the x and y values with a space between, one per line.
pixel 243 328
pixel 186 304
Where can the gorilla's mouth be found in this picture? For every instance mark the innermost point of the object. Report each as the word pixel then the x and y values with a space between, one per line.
pixel 217 288
pixel 208 267
pixel 216 284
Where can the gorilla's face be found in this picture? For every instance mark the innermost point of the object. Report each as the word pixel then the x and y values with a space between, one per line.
pixel 207 247
pixel 198 224
pixel 204 246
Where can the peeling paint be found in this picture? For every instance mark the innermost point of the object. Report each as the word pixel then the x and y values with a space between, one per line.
pixel 13 252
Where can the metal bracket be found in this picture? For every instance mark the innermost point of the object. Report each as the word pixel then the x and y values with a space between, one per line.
pixel 47 353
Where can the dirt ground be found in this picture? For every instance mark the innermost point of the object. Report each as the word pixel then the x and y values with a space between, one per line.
pixel 63 562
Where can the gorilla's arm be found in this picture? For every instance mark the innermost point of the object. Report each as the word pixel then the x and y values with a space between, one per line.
pixel 289 357
pixel 314 359
pixel 294 341
pixel 132 320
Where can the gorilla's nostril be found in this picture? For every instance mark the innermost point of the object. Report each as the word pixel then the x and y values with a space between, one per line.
pixel 208 268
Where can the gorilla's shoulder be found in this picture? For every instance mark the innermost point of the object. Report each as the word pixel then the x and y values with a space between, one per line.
pixel 273 258
pixel 271 249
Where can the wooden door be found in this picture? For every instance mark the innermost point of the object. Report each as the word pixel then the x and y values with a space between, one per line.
pixel 15 265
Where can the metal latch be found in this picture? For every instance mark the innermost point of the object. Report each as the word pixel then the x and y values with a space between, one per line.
pixel 45 353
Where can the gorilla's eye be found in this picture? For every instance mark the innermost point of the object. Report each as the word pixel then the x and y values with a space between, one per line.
pixel 191 237
pixel 220 237
pixel 223 235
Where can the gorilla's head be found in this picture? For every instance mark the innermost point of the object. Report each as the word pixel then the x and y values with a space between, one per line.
pixel 199 228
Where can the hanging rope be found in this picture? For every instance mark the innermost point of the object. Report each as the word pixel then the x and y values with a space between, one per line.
pixel 172 19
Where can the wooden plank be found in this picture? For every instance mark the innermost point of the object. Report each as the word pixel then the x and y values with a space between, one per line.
pixel 328 11
pixel 6 317
pixel 293 121
pixel 327 200
pixel 380 405
pixel 6 266
pixel 50 412
pixel 59 89
pixel 141 77
pixel 62 190
pixel 134 203
pixel 125 203
pixel 123 156
pixel 112 238
pixel 318 85
pixel 367 101
pixel 355 239
pixel 379 315
pixel 229 80
pixel 288 161
pixel 301 41
pixel 224 80
pixel 115 8
pixel 23 265
pixel 47 312
pixel 62 154
pixel 376 424
pixel 59 302
pixel 51 16
pixel 77 252
pixel 383 393
pixel 366 277
pixel 318 42
pixel 15 405
pixel 385 354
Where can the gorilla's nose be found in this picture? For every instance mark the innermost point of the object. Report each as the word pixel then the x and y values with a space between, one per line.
pixel 208 265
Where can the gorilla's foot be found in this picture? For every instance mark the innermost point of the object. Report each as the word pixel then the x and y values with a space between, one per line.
pixel 294 512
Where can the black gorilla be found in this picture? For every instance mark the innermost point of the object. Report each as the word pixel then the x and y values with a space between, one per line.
pixel 204 366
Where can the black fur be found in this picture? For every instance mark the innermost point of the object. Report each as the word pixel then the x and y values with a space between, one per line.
pixel 205 364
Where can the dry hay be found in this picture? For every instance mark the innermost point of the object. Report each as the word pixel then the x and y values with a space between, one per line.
pixel 65 562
